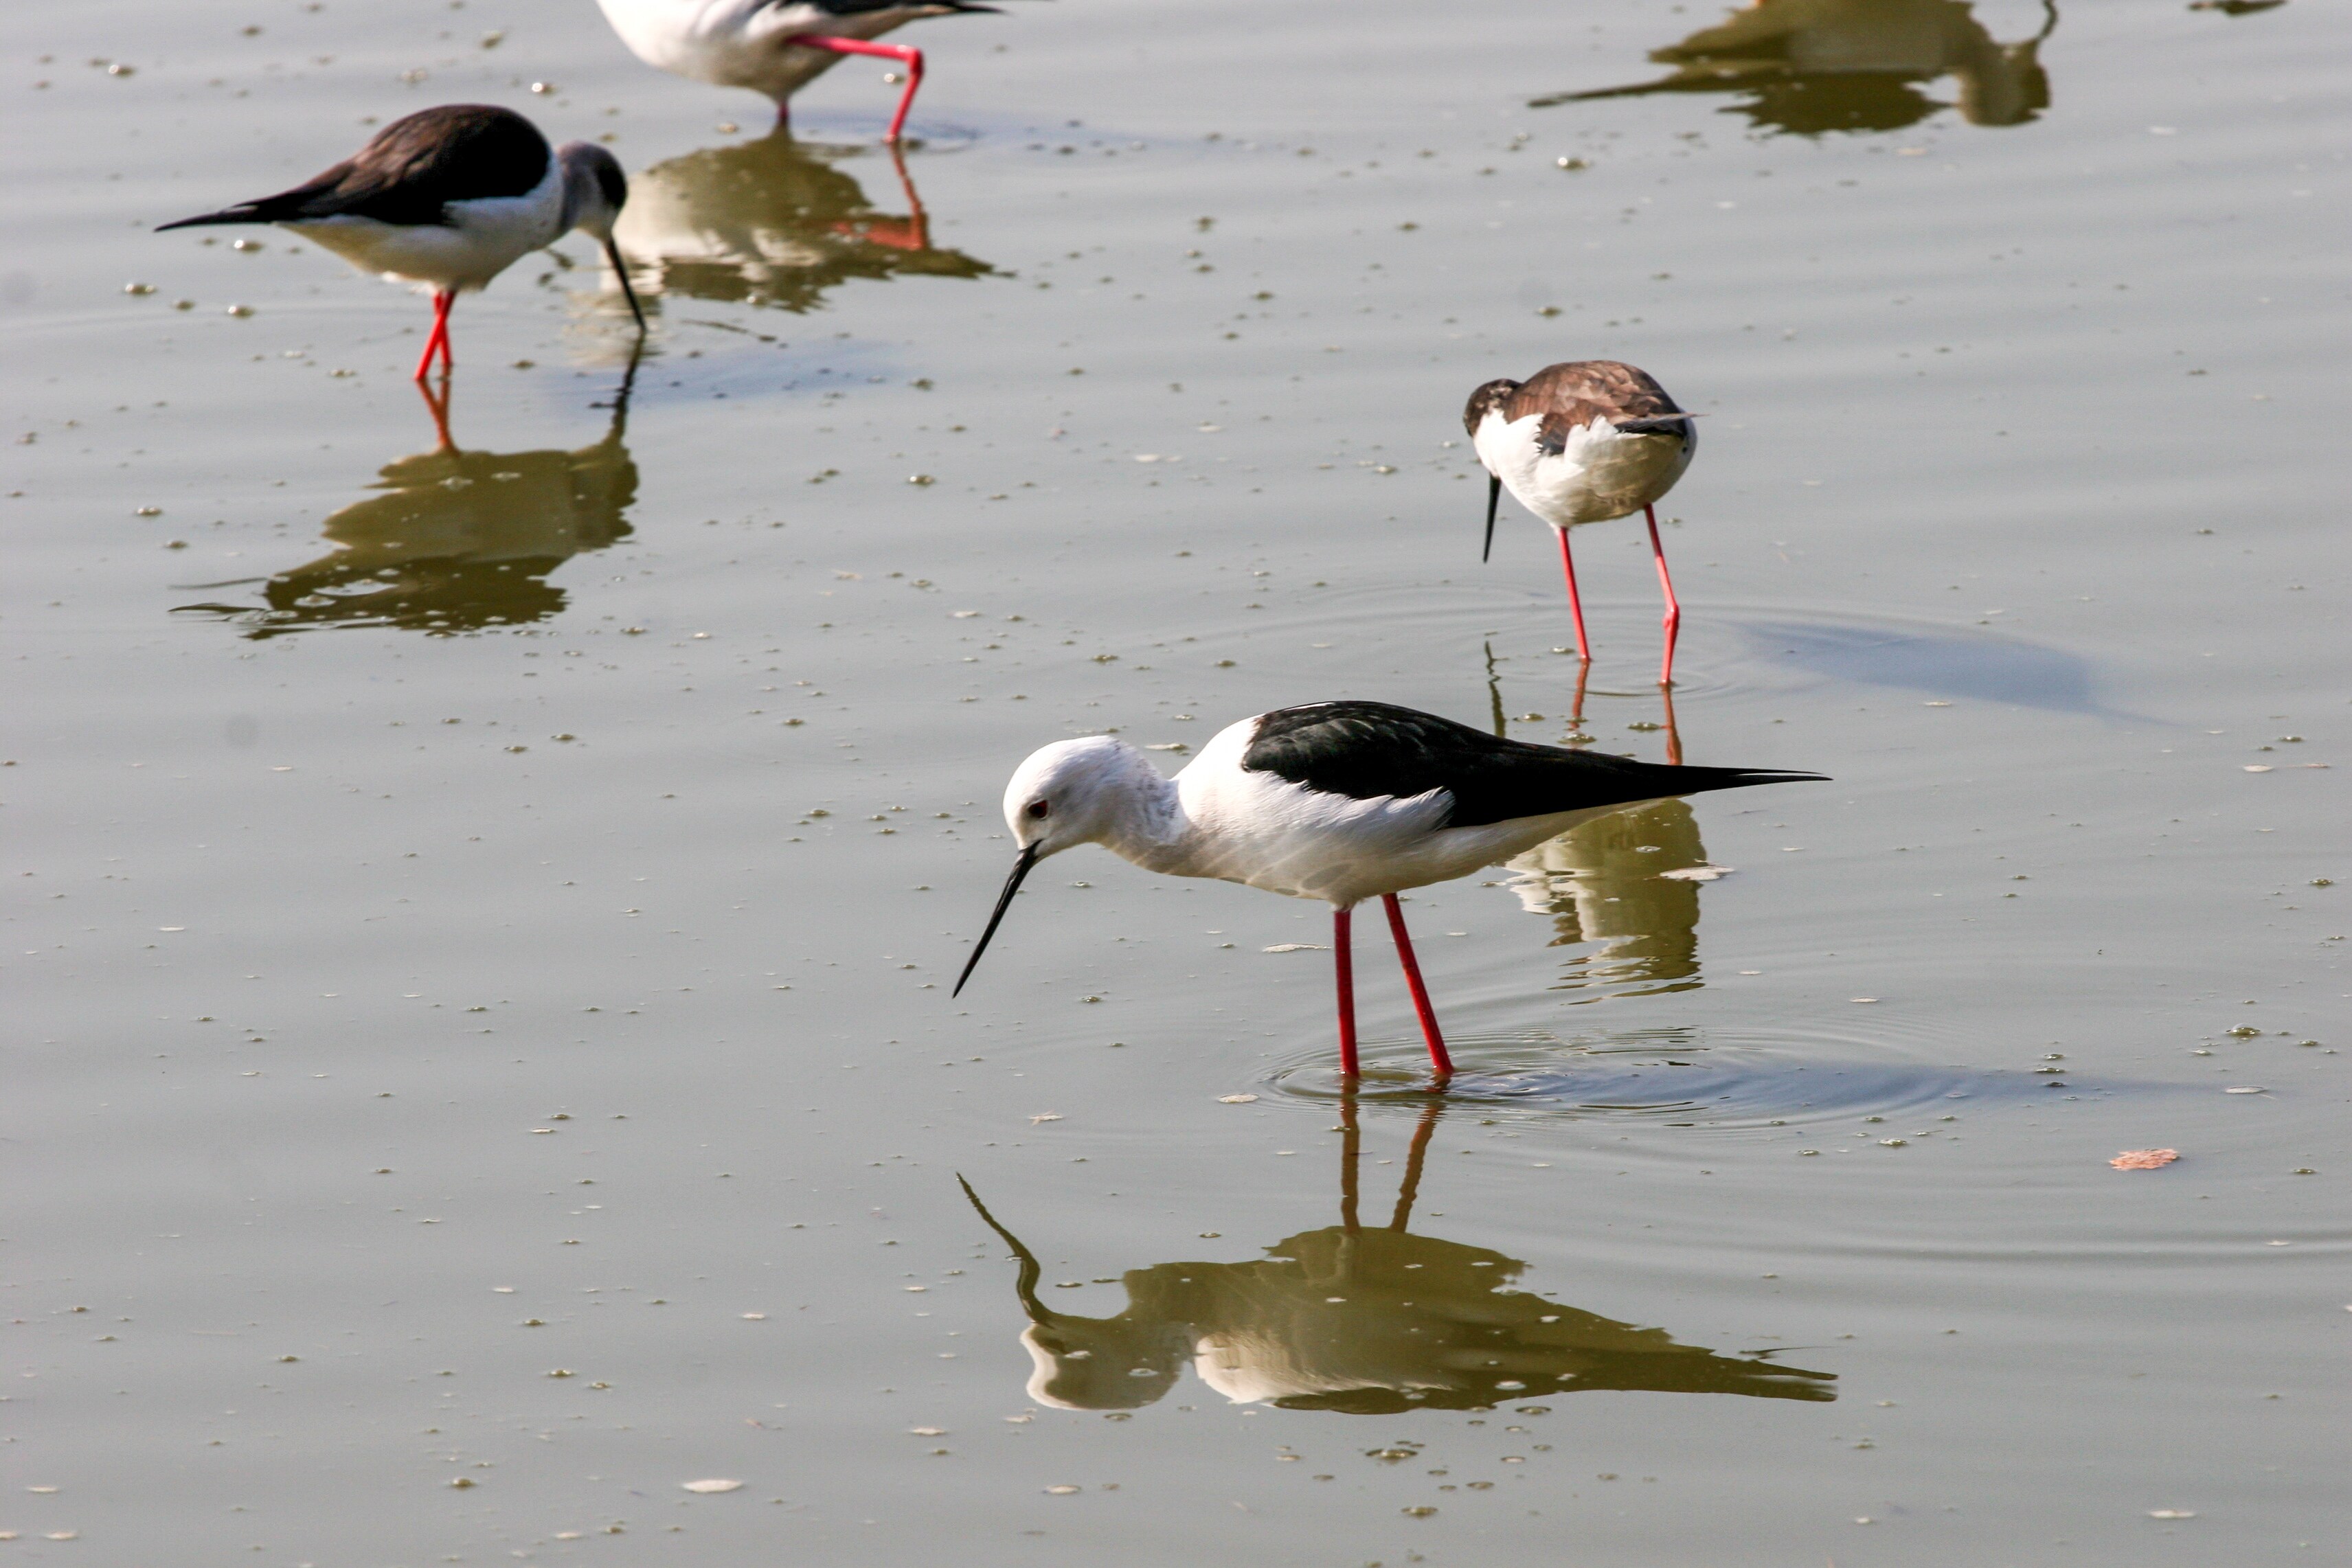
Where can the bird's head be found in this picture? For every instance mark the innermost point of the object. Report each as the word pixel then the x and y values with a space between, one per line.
pixel 594 191
pixel 1069 793
pixel 1487 398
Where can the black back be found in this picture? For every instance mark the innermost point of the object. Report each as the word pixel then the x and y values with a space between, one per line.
pixel 412 170
pixel 1365 750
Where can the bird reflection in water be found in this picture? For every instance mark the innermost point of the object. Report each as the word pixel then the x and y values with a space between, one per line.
pixel 453 540
pixel 773 222
pixel 1628 880
pixel 1810 67
pixel 1363 1321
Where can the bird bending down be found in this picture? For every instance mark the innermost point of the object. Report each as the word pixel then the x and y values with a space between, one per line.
pixel 1582 443
pixel 774 47
pixel 450 197
pixel 1339 802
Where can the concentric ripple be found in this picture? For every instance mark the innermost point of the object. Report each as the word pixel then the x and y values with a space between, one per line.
pixel 1676 1078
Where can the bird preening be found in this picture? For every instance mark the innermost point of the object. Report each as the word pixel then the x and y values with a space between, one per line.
pixel 1338 802
pixel 1580 442
pixel 450 197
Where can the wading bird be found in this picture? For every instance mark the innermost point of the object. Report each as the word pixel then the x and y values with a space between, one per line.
pixel 774 47
pixel 450 197
pixel 1339 802
pixel 1582 443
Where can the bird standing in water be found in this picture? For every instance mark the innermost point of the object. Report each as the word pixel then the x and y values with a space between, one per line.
pixel 1582 443
pixel 774 47
pixel 450 197
pixel 1340 802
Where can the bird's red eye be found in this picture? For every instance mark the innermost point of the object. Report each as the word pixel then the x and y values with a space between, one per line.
pixel 1038 808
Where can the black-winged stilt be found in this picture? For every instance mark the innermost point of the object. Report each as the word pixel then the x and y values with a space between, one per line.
pixel 1582 443
pixel 450 197
pixel 1339 802
pixel 774 47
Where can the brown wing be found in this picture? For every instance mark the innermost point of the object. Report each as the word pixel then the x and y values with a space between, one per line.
pixel 412 170
pixel 1572 395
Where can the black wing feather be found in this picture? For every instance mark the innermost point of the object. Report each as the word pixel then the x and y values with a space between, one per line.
pixel 412 171
pixel 1366 750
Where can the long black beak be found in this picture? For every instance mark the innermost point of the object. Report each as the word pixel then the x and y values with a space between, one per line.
pixel 1003 902
pixel 1494 495
pixel 620 270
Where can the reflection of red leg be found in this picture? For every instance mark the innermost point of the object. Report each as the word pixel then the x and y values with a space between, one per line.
pixel 1411 1186
pixel 1351 1155
pixel 439 341
pixel 1343 970
pixel 439 405
pixel 1673 620
pixel 1437 1057
pixel 910 233
pixel 1575 602
pixel 785 115
pixel 911 59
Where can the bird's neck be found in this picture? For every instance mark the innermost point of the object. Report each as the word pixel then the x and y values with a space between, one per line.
pixel 1151 827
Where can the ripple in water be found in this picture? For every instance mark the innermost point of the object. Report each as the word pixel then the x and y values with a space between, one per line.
pixel 1669 1078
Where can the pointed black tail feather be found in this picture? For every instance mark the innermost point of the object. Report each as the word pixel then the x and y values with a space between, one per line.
pixel 243 213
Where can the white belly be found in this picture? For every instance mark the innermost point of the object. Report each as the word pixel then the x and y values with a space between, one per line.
pixel 1264 831
pixel 740 43
pixel 1599 472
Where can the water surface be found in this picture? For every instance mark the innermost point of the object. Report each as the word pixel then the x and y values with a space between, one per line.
pixel 486 878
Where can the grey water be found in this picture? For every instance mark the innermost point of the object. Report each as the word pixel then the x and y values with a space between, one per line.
pixel 479 1051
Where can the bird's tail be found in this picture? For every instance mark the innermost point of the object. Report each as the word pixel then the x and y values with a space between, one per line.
pixel 243 213
pixel 1655 425
pixel 1694 780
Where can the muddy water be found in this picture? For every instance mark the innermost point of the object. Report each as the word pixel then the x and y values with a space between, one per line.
pixel 651 738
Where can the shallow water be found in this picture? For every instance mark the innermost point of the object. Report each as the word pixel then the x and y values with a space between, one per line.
pixel 2016 332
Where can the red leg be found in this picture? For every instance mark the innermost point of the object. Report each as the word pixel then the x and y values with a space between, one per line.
pixel 1575 602
pixel 439 338
pixel 1437 1057
pixel 1673 620
pixel 1343 968
pixel 785 115
pixel 910 58
pixel 1674 736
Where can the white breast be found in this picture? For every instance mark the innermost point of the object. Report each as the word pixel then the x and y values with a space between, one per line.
pixel 1599 472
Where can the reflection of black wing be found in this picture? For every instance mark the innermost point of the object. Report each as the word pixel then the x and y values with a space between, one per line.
pixel 773 222
pixel 453 541
pixel 1812 67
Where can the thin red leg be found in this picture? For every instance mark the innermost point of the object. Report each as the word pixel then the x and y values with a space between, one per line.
pixel 1575 600
pixel 785 115
pixel 1343 970
pixel 439 340
pixel 1437 1057
pixel 1673 620
pixel 910 58
pixel 1674 736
